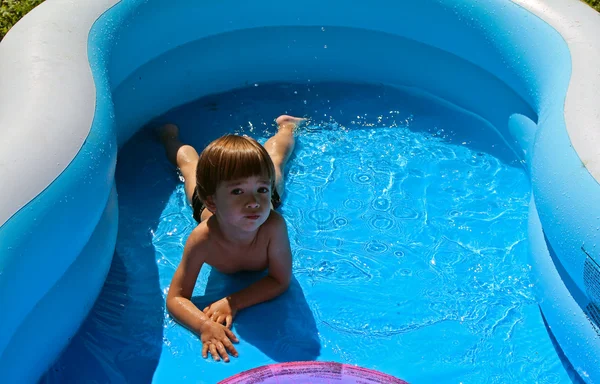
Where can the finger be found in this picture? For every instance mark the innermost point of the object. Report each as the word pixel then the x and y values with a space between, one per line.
pixel 223 352
pixel 230 348
pixel 214 317
pixel 228 321
pixel 221 319
pixel 213 352
pixel 205 350
pixel 205 310
pixel 231 335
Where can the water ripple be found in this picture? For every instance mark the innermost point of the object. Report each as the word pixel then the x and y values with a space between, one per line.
pixel 344 272
pixel 340 222
pixel 361 178
pixel 404 212
pixel 375 246
pixel 381 204
pixel 354 204
pixel 321 216
pixel 381 223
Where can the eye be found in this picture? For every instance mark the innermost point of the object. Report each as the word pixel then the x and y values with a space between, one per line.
pixel 263 190
pixel 237 191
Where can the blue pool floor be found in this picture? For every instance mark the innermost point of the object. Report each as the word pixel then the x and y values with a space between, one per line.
pixel 407 222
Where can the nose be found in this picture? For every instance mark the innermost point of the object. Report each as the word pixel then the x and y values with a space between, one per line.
pixel 253 203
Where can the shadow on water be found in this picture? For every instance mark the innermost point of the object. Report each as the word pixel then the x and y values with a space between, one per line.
pixel 284 329
pixel 121 339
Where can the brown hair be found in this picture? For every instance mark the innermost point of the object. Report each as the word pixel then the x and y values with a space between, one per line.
pixel 231 157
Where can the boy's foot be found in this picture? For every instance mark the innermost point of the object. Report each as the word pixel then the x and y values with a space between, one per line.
pixel 289 121
pixel 167 132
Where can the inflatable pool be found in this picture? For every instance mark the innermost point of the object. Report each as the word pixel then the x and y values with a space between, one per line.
pixel 79 79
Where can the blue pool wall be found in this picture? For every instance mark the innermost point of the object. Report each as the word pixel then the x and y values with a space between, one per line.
pixel 56 251
pixel 144 63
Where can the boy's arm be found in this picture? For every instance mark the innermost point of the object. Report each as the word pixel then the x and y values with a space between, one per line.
pixel 280 270
pixel 182 285
pixel 215 338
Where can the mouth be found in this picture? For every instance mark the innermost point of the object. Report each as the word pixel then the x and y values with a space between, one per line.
pixel 253 217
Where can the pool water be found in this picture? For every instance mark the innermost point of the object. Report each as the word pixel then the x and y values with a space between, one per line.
pixel 408 227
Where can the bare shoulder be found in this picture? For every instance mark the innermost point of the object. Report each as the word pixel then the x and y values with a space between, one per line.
pixel 274 223
pixel 276 232
pixel 197 241
pixel 200 234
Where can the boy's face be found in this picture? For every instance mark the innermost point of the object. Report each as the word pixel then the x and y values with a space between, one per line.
pixel 243 203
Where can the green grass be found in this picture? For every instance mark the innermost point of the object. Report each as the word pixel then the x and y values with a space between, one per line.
pixel 594 4
pixel 12 10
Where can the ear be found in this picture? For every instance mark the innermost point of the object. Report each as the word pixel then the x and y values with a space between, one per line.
pixel 209 203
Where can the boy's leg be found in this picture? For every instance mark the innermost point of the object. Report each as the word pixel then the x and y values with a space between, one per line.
pixel 281 145
pixel 183 156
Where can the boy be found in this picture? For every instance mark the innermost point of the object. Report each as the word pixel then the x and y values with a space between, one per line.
pixel 233 187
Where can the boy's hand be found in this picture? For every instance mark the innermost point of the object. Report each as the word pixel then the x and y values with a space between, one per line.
pixel 217 339
pixel 221 312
